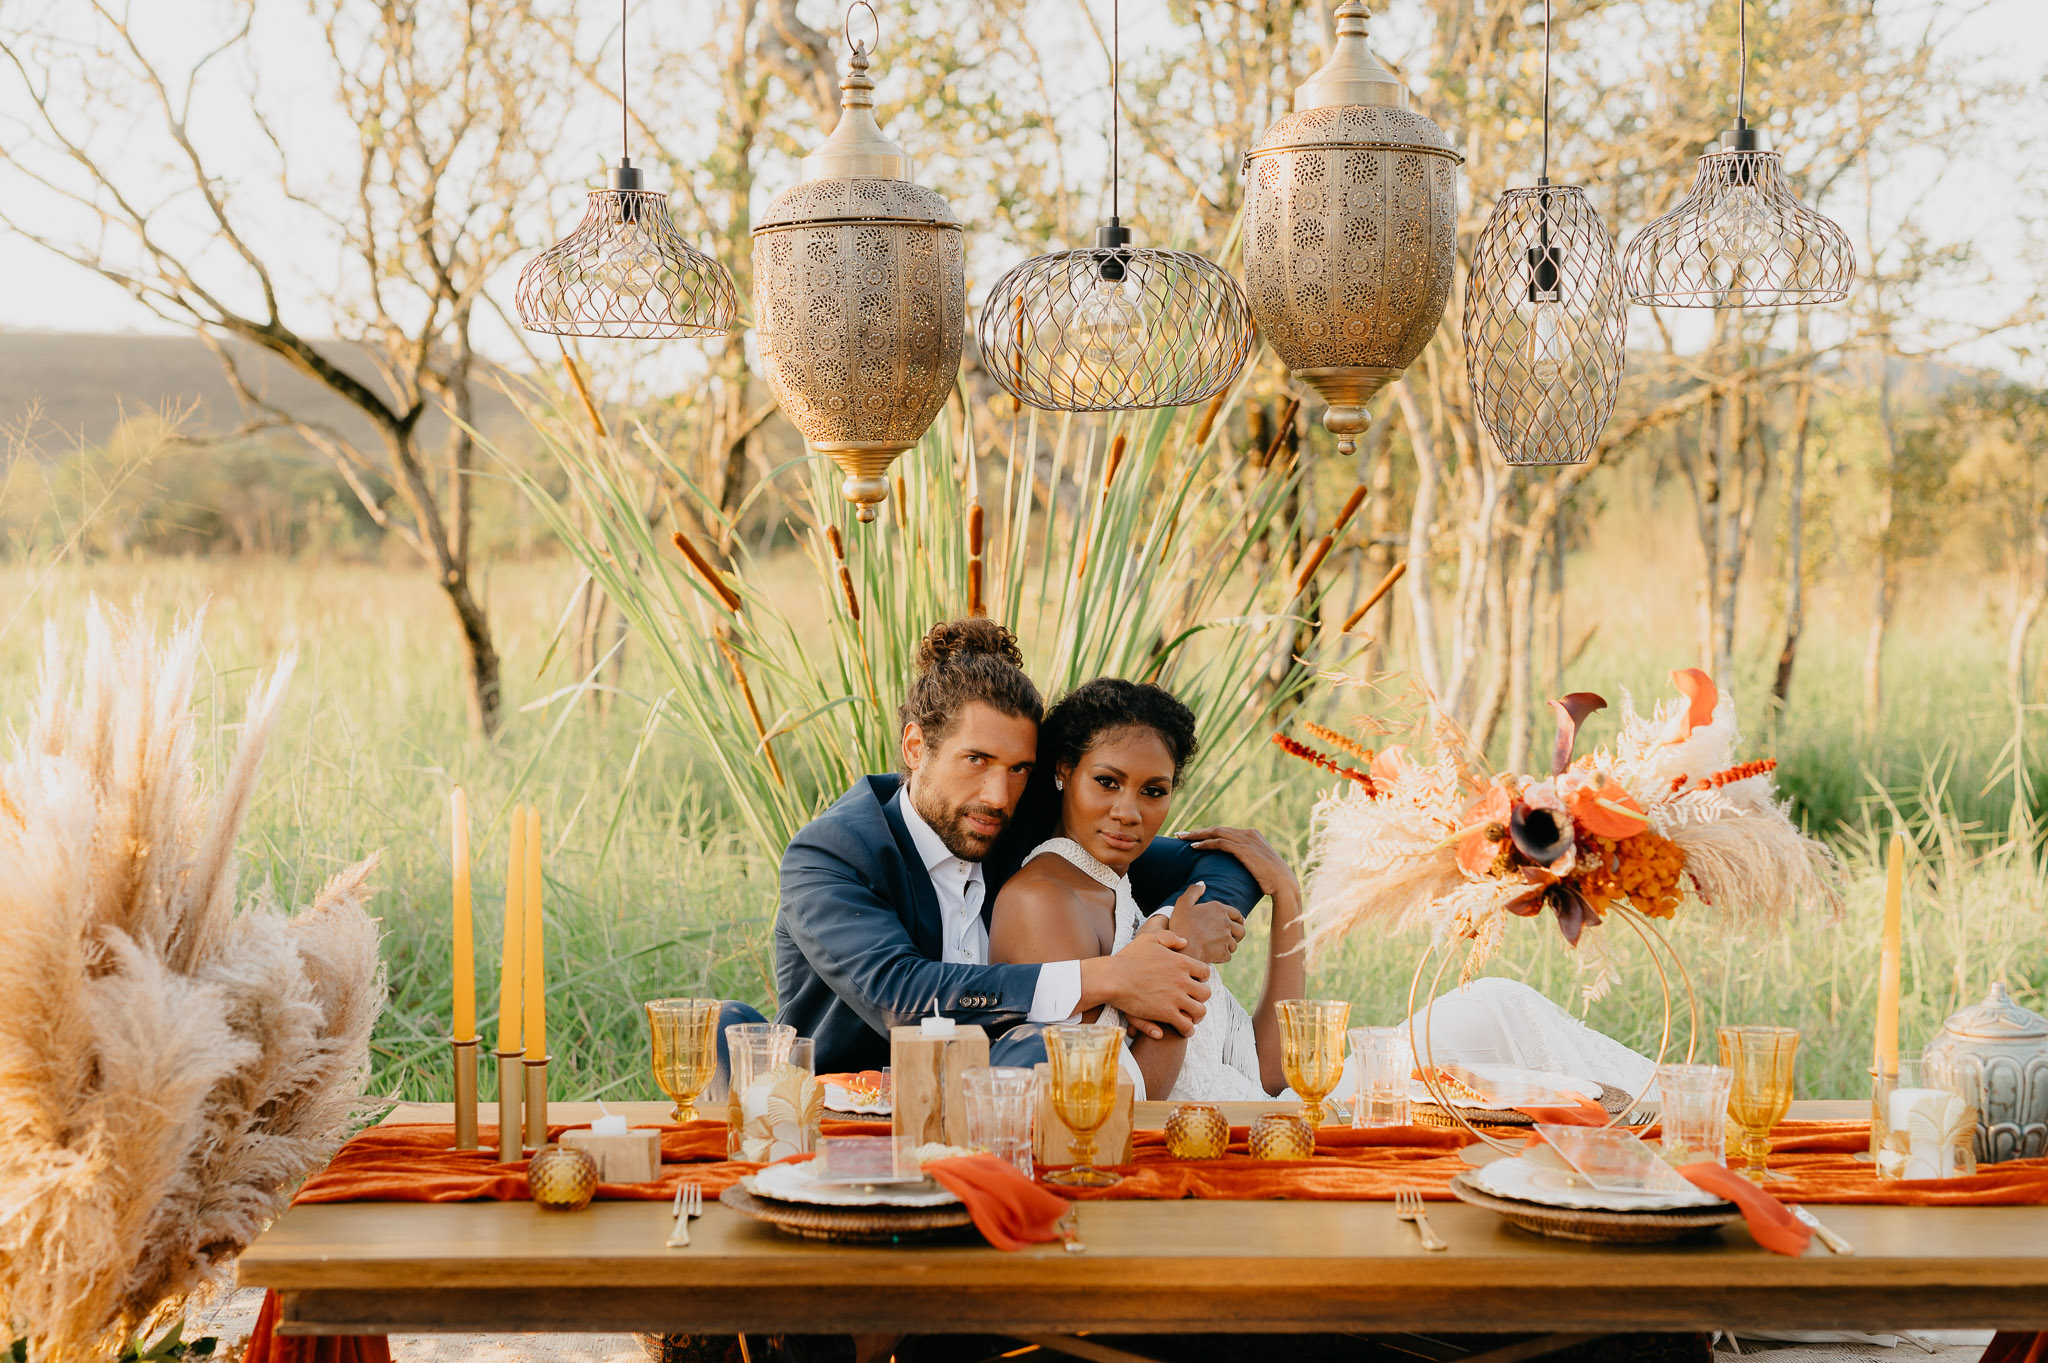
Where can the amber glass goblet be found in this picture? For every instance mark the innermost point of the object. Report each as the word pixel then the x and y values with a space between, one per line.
pixel 1760 1060
pixel 1312 1051
pixel 685 1033
pixel 1084 1059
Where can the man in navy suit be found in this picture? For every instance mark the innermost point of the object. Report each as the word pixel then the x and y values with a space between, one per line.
pixel 886 895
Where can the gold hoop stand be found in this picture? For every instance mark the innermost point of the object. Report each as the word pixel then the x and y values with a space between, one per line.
pixel 1424 1051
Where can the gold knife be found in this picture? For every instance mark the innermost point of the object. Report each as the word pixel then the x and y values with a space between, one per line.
pixel 1827 1237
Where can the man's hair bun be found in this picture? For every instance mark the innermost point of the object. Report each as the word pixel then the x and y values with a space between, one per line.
pixel 951 640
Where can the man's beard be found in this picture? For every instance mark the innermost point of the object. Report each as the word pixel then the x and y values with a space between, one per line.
pixel 951 826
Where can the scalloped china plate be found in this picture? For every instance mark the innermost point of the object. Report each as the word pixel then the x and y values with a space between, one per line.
pixel 1525 1180
pixel 1418 1092
pixel 795 1183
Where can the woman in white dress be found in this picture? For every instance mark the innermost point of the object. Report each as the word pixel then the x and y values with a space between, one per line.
pixel 1110 756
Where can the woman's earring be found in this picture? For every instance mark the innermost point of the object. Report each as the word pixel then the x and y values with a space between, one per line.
pixel 1059 783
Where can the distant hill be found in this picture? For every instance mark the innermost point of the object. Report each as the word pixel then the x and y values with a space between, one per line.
pixel 82 385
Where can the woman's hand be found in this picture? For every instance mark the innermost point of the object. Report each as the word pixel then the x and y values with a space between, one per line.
pixel 1250 847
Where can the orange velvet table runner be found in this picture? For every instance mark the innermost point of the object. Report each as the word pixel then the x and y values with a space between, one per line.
pixel 413 1163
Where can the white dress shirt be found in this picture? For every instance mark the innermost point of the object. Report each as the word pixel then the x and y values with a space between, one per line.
pixel 962 887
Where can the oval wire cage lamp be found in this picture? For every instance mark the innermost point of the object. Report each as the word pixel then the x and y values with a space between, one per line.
pixel 1113 327
pixel 1741 238
pixel 1545 324
pixel 626 272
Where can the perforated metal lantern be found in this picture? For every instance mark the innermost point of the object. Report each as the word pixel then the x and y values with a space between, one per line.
pixel 860 299
pixel 1545 326
pixel 1350 230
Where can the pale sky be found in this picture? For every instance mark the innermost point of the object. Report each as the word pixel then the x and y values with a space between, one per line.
pixel 1974 199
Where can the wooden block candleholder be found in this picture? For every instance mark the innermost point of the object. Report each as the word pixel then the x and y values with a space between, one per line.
pixel 510 1063
pixel 537 1102
pixel 465 1093
pixel 1053 1143
pixel 631 1157
pixel 924 1070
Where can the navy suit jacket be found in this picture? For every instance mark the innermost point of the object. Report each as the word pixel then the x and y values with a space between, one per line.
pixel 859 936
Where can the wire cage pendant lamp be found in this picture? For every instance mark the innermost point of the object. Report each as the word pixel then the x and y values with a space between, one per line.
pixel 626 272
pixel 1741 238
pixel 1545 324
pixel 1114 327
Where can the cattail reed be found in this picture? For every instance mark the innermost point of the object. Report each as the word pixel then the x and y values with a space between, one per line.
pixel 974 533
pixel 1386 585
pixel 582 390
pixel 712 578
pixel 1017 354
pixel 739 676
pixel 1315 561
pixel 1116 459
pixel 833 538
pixel 1351 505
pixel 1209 415
pixel 902 506
pixel 1281 432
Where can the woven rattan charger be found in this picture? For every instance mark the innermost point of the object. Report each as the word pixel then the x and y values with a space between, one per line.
pixel 865 1225
pixel 1616 1102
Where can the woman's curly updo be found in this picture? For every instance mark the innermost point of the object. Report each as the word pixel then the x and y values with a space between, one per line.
pixel 960 662
pixel 1095 708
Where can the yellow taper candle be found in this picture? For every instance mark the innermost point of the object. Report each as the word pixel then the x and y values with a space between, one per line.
pixel 536 959
pixel 511 981
pixel 1887 1058
pixel 465 937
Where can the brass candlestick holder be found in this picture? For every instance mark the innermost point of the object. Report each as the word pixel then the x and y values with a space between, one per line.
pixel 537 1102
pixel 465 1093
pixel 509 1149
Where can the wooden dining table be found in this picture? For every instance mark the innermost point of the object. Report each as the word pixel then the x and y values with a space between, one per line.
pixel 1147 1268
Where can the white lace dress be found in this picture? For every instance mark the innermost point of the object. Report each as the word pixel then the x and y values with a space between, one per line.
pixel 1222 1063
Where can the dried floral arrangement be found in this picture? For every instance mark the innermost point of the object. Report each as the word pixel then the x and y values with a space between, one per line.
pixel 1668 815
pixel 171 1067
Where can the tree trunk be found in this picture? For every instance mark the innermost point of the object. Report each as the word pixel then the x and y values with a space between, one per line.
pixel 1379 553
pixel 1421 520
pixel 1795 549
pixel 1884 575
pixel 481 656
pixel 2029 611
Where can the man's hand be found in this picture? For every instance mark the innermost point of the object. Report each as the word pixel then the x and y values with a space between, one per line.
pixel 1211 929
pixel 1152 982
pixel 1251 849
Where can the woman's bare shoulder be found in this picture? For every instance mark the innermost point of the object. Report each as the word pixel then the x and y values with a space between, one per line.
pixel 1048 911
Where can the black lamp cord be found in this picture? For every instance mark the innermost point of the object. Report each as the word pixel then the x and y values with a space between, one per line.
pixel 623 158
pixel 1115 109
pixel 1742 70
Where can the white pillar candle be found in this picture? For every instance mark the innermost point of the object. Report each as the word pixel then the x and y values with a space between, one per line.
pixel 936 1026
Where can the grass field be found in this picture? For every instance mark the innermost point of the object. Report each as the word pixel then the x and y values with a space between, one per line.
pixel 653 890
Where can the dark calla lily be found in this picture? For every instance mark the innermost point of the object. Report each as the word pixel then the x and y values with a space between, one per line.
pixel 1542 832
pixel 1574 912
pixel 1571 713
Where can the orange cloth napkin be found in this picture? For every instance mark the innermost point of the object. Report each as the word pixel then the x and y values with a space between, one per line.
pixel 1008 1209
pixel 2016 1346
pixel 1586 1113
pixel 1770 1223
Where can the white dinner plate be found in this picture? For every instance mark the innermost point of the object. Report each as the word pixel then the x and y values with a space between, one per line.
pixel 1418 1092
pixel 838 1099
pixel 795 1183
pixel 1525 1180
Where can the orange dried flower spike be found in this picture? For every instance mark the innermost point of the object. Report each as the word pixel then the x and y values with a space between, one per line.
pixel 1297 748
pixel 1338 741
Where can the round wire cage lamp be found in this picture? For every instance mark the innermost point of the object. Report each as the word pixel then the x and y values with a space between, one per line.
pixel 1113 327
pixel 626 272
pixel 1741 238
pixel 1545 326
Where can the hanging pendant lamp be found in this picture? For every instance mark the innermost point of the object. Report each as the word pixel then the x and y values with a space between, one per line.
pixel 1113 327
pixel 860 299
pixel 1741 238
pixel 626 271
pixel 1545 324
pixel 1350 230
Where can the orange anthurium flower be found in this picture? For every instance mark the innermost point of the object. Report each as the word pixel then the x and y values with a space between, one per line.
pixel 1698 688
pixel 1608 811
pixel 1478 848
pixel 1386 763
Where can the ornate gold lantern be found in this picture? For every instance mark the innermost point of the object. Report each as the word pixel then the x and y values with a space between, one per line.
pixel 860 300
pixel 1350 230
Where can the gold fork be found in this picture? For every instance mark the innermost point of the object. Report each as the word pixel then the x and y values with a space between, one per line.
pixel 689 1202
pixel 1408 1206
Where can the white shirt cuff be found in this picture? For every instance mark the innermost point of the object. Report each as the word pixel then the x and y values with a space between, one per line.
pixel 1058 994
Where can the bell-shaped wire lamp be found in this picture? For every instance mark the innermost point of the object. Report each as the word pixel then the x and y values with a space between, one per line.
pixel 1545 324
pixel 1741 238
pixel 1113 327
pixel 626 272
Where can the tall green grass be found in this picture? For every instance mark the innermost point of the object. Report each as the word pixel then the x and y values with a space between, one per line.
pixel 655 886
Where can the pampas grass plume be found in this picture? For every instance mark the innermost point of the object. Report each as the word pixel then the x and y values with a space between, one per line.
pixel 171 1068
